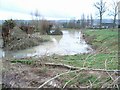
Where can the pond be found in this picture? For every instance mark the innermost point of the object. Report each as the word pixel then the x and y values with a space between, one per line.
pixel 69 43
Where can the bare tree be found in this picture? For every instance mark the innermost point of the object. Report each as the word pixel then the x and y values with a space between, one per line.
pixel 45 26
pixel 37 18
pixel 114 11
pixel 101 6
pixel 91 21
pixel 71 23
pixel 88 21
pixel 83 21
pixel 119 14
pixel 78 23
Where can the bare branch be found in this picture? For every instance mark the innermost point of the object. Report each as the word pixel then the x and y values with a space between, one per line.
pixel 96 6
pixel 101 6
pixel 55 78
pixel 70 80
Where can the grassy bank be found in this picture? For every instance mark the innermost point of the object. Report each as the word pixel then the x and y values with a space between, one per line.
pixel 35 71
pixel 103 40
pixel 105 44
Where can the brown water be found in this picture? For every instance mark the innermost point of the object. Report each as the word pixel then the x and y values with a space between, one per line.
pixel 69 43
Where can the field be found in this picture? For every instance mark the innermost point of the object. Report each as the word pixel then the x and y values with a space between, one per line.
pixel 93 70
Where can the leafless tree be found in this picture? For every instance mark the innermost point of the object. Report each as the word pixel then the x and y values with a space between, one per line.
pixel 91 20
pixel 78 23
pixel 37 18
pixel 119 14
pixel 71 23
pixel 88 21
pixel 83 21
pixel 114 11
pixel 45 26
pixel 101 6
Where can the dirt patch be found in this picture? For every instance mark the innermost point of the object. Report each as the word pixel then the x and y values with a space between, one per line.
pixel 28 76
pixel 19 75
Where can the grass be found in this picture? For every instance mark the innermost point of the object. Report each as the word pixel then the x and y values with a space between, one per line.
pixel 25 61
pixel 106 38
pixel 85 80
pixel 105 57
pixel 89 61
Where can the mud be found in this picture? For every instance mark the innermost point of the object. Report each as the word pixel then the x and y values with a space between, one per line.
pixel 18 75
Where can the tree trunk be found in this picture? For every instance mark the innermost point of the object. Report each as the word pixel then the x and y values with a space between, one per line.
pixel 100 20
pixel 114 22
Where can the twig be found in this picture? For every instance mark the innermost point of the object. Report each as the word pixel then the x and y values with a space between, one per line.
pixel 109 73
pixel 106 64
pixel 96 79
pixel 93 55
pixel 90 84
pixel 110 77
pixel 106 69
pixel 55 78
pixel 114 82
pixel 70 81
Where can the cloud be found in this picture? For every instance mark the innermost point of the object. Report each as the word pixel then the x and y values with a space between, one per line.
pixel 47 8
pixel 14 15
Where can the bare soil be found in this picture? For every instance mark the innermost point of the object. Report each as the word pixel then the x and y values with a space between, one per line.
pixel 18 75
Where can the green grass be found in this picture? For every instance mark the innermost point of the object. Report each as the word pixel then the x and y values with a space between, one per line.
pixel 106 42
pixel 104 38
pixel 25 61
pixel 89 61
pixel 107 57
pixel 85 79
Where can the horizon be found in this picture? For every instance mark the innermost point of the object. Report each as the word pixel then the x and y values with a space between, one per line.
pixel 95 20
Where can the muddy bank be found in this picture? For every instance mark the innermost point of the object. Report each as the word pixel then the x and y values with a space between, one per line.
pixel 89 39
pixel 28 76
pixel 35 74
pixel 19 40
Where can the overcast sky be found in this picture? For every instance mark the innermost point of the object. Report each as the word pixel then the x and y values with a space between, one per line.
pixel 49 9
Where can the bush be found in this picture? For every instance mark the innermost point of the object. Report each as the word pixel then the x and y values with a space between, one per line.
pixel 45 27
pixel 20 40
pixel 56 32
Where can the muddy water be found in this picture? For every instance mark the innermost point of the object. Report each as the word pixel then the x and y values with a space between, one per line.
pixel 69 43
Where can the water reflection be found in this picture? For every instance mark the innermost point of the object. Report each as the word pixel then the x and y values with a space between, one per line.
pixel 67 44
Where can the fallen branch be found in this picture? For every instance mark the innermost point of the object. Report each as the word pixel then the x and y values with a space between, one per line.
pixel 77 68
pixel 114 82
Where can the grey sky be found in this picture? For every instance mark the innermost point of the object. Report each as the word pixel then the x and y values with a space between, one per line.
pixel 49 9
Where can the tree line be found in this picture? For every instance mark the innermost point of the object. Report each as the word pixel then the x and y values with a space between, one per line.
pixel 86 21
pixel 101 8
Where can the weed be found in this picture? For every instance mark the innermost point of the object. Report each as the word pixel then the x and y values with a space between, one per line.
pixel 22 61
